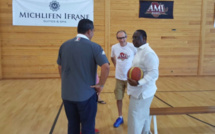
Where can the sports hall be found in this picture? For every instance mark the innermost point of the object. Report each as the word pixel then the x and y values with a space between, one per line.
pixel 30 85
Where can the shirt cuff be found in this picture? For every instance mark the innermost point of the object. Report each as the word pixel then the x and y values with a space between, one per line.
pixel 141 82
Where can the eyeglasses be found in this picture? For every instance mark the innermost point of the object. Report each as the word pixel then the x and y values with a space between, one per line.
pixel 121 37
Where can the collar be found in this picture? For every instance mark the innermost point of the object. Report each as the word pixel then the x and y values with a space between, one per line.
pixel 144 46
pixel 123 46
pixel 82 36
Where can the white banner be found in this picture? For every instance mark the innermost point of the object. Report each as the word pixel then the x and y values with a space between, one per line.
pixel 51 12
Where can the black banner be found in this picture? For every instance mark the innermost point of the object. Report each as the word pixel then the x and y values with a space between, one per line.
pixel 156 9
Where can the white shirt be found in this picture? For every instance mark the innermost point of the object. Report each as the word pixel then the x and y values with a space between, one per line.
pixel 148 61
pixel 124 56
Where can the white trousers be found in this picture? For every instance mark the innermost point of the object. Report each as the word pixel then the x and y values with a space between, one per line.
pixel 139 119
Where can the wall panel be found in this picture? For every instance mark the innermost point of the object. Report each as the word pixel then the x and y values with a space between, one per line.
pixel 0 59
pixel 31 52
pixel 208 39
pixel 175 48
pixel 0 41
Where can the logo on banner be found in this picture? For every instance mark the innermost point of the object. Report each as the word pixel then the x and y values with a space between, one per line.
pixel 54 6
pixel 156 9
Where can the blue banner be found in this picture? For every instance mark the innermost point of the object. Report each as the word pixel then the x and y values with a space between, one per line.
pixel 156 9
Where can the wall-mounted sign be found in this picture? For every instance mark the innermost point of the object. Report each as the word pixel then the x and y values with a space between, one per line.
pixel 156 9
pixel 51 12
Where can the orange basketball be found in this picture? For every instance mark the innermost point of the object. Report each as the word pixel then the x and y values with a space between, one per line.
pixel 135 73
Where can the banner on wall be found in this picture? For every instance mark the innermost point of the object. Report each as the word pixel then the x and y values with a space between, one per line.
pixel 156 9
pixel 65 13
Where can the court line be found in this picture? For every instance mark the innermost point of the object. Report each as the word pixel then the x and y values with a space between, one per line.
pixel 56 118
pixel 190 91
pixel 200 120
pixel 163 101
pixel 187 114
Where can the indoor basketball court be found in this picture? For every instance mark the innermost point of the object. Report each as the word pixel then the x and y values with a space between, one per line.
pixel 30 84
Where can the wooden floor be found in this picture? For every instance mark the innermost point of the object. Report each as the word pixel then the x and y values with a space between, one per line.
pixel 31 106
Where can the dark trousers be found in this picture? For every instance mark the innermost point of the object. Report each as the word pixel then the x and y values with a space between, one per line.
pixel 81 113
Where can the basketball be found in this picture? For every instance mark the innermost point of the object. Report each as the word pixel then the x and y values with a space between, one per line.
pixel 135 73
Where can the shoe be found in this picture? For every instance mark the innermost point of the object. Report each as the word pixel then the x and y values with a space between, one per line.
pixel 118 122
pixel 96 131
pixel 101 102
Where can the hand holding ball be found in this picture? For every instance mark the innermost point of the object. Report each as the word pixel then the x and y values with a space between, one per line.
pixel 135 73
